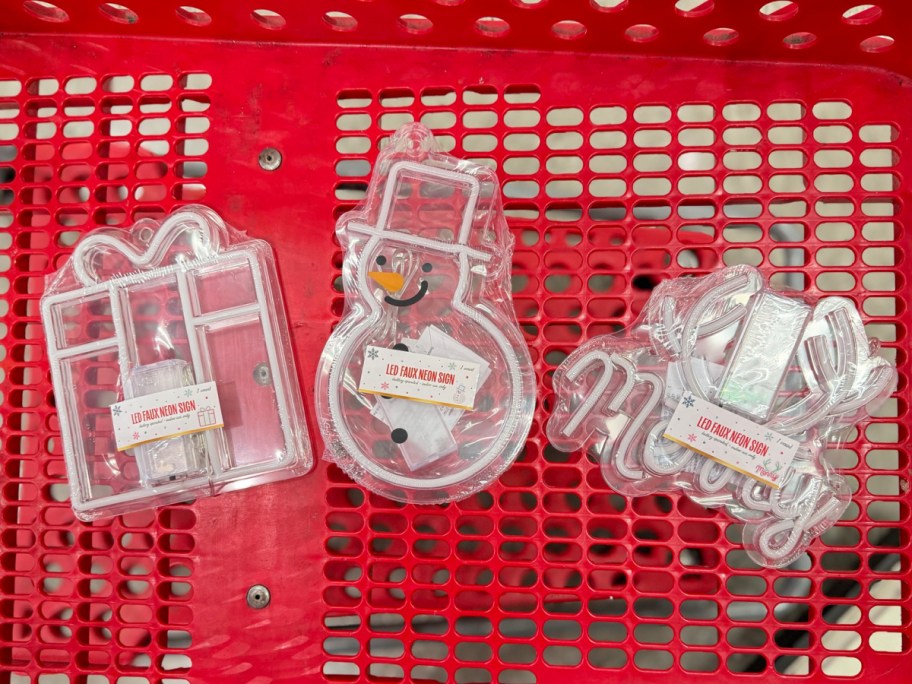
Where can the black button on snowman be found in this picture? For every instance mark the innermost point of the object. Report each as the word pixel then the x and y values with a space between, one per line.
pixel 426 276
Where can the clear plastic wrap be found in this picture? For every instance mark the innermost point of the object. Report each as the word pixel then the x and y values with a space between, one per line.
pixel 427 292
pixel 769 374
pixel 172 365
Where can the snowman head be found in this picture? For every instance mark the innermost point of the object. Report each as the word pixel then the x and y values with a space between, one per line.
pixel 423 228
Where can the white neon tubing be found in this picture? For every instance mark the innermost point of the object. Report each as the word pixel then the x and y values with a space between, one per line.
pixel 818 328
pixel 276 376
pixel 712 477
pixel 816 406
pixel 622 447
pixel 755 495
pixel 598 391
pixel 207 243
pixel 835 391
pixel 884 375
pixel 708 328
pixel 768 536
pixel 674 456
pixel 790 500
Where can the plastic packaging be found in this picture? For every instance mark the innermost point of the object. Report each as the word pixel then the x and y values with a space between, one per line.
pixel 172 365
pixel 792 377
pixel 428 318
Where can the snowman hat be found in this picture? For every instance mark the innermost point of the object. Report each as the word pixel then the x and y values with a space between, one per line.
pixel 457 180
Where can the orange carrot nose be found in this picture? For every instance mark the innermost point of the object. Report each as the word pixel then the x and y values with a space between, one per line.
pixel 391 282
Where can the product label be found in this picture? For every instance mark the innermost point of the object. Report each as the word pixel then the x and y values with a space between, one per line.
pixel 419 377
pixel 166 414
pixel 733 441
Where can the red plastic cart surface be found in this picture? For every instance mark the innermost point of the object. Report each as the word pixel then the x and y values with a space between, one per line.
pixel 635 141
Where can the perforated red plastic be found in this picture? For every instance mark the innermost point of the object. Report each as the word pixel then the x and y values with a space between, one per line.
pixel 620 166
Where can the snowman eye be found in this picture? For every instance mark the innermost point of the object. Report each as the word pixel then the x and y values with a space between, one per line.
pixel 381 260
pixel 426 268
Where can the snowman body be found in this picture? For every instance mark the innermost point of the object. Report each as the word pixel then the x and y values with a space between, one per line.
pixel 426 279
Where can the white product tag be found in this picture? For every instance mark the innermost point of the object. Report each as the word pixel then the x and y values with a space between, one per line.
pixel 171 413
pixel 429 379
pixel 732 440
pixel 437 343
pixel 425 435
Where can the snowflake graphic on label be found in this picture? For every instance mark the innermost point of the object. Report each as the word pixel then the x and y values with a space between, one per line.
pixel 116 410
pixel 188 392
pixel 384 385
pixel 768 436
pixel 691 437
pixel 135 435
pixel 452 366
pixel 689 401
pixel 372 354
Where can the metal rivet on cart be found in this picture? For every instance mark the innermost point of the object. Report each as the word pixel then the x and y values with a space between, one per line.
pixel 270 159
pixel 262 375
pixel 258 596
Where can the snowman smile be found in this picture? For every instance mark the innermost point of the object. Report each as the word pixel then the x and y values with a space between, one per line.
pixel 414 299
pixel 393 282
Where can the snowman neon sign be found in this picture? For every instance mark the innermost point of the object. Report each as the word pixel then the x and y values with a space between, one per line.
pixel 426 272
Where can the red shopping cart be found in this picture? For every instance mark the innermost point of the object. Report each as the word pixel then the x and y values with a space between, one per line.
pixel 635 141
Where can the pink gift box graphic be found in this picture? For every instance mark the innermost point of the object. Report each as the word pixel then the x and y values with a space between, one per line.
pixel 206 416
